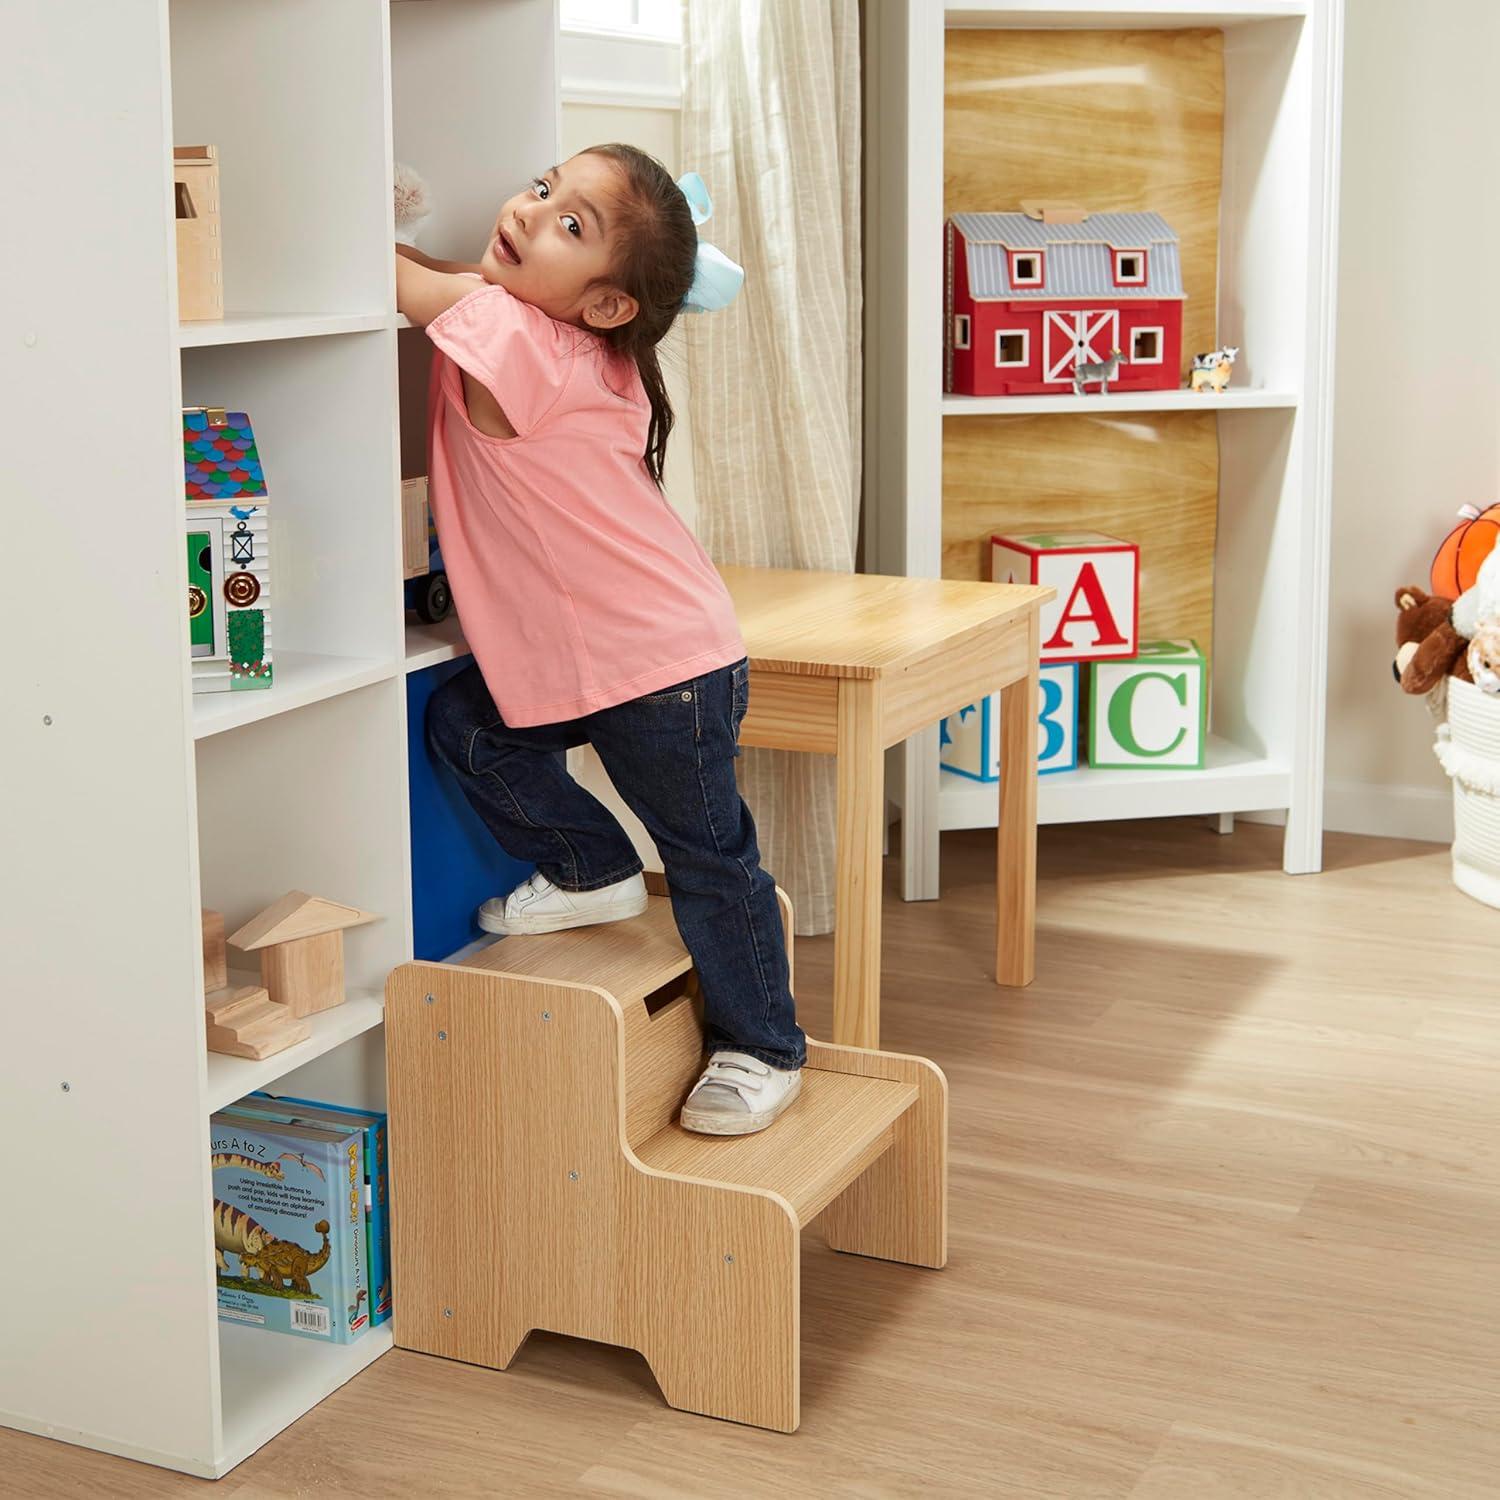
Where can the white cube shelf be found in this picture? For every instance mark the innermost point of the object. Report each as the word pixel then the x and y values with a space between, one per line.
pixel 144 802
pixel 1275 298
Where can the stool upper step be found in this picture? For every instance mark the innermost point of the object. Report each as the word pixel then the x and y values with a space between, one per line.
pixel 837 1127
pixel 629 959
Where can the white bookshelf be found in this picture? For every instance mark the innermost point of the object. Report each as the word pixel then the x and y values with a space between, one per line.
pixel 142 801
pixel 1275 298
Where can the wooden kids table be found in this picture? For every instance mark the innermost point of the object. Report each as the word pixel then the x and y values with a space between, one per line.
pixel 849 664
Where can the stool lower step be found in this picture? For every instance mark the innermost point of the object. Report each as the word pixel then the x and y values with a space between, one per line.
pixel 838 1125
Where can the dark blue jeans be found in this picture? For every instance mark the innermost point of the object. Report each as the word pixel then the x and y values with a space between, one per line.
pixel 671 757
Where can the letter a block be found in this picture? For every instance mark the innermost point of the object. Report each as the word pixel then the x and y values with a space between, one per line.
pixel 1151 711
pixel 971 737
pixel 1094 616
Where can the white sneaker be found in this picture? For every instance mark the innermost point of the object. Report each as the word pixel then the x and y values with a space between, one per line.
pixel 738 1095
pixel 539 906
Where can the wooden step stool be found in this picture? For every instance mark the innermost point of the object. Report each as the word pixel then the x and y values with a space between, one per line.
pixel 542 1181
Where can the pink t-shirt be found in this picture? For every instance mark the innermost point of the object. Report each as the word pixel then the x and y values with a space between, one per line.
pixel 578 586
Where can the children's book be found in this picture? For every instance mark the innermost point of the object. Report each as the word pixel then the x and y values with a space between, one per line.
pixel 377 1185
pixel 289 1227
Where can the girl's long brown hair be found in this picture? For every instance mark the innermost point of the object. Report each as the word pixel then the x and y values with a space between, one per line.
pixel 656 248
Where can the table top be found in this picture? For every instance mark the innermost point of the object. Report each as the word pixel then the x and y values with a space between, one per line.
pixel 863 624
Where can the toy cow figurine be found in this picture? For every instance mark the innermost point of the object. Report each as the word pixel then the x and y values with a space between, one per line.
pixel 1085 372
pixel 1211 371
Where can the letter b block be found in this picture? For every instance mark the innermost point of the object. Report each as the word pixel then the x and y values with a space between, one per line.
pixel 971 738
pixel 1093 617
pixel 1150 711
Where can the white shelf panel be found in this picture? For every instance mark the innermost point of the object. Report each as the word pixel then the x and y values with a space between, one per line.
pixel 231 1078
pixel 1120 404
pixel 300 678
pixel 268 1380
pixel 257 328
pixel 1233 780
pixel 426 645
pixel 1047 14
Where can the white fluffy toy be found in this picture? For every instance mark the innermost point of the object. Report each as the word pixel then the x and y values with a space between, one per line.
pixel 413 204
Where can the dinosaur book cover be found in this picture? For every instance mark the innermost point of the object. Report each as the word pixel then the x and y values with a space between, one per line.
pixel 289 1227
pixel 377 1180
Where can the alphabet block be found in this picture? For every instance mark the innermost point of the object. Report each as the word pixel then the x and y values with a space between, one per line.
pixel 971 737
pixel 1095 614
pixel 1151 711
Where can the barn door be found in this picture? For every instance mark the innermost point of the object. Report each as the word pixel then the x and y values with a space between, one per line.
pixel 1074 337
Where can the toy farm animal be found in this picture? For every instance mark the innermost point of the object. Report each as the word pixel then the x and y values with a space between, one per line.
pixel 1211 371
pixel 1085 372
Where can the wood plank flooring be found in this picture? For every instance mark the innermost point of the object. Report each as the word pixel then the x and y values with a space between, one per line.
pixel 1225 1222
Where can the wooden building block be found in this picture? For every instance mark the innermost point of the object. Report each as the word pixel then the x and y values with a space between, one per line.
pixel 1150 711
pixel 306 976
pixel 1096 612
pixel 970 742
pixel 215 956
pixel 244 1022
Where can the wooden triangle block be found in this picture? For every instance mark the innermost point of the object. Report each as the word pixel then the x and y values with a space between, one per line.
pixel 246 1022
pixel 297 915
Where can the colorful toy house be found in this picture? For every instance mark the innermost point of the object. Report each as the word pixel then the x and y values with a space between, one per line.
pixel 228 552
pixel 1030 297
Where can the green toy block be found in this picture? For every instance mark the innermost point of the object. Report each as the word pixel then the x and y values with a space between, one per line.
pixel 1150 711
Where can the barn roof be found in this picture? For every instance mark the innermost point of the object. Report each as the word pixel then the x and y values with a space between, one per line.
pixel 1079 256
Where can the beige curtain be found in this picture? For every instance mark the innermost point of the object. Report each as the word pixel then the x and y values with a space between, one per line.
pixel 771 118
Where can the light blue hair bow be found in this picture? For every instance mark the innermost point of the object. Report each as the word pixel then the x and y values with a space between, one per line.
pixel 716 279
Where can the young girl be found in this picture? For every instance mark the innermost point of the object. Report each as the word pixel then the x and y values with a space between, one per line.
pixel 593 614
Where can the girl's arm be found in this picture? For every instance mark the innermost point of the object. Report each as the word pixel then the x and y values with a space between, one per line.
pixel 453 267
pixel 422 293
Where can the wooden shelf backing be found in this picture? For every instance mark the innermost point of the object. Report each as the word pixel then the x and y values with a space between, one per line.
pixel 258 327
pixel 839 1125
pixel 268 1380
pixel 300 678
pixel 1120 404
pixel 231 1078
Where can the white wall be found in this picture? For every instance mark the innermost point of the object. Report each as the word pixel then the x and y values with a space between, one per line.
pixel 1418 379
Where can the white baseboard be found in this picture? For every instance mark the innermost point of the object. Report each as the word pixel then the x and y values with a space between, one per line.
pixel 1395 812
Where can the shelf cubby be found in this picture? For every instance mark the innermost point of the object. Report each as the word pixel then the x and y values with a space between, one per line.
pixel 294 98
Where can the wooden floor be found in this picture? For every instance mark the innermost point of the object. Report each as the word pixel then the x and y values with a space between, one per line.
pixel 1225 1222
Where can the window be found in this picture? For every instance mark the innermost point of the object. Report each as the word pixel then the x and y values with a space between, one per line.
pixel 961 330
pixel 1012 348
pixel 1026 267
pixel 659 18
pixel 1146 346
pixel 1130 267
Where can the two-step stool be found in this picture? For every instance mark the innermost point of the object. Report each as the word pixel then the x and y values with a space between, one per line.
pixel 542 1181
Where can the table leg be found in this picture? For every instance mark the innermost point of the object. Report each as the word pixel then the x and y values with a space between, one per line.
pixel 858 883
pixel 1015 866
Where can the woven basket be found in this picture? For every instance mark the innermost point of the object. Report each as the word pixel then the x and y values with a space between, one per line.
pixel 1468 745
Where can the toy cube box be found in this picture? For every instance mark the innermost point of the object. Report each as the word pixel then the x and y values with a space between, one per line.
pixel 971 737
pixel 1150 712
pixel 1095 616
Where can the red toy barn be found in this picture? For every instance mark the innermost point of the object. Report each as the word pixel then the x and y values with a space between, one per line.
pixel 1028 299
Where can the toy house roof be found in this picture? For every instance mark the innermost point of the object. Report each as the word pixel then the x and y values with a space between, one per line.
pixel 1079 257
pixel 297 915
